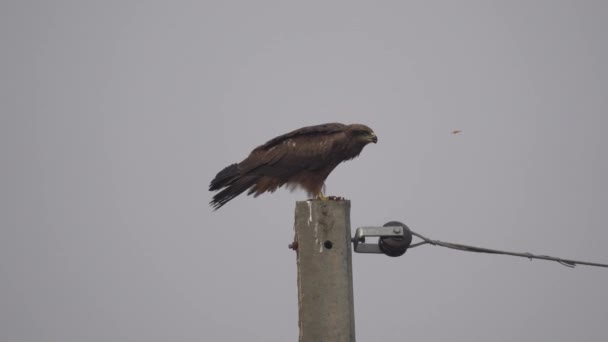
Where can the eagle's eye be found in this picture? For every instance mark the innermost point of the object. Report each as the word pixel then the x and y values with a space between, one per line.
pixel 360 133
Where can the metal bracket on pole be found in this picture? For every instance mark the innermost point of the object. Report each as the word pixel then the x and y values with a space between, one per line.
pixel 393 239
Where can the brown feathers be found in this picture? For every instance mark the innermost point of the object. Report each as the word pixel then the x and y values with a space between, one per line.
pixel 302 158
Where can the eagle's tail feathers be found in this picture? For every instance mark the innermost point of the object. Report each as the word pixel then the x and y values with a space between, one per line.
pixel 233 189
pixel 225 177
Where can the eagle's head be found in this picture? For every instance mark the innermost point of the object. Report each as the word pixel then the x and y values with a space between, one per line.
pixel 362 134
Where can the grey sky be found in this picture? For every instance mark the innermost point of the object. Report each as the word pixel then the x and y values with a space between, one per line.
pixel 116 115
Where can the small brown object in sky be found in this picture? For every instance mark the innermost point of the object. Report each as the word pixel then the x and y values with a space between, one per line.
pixel 456 131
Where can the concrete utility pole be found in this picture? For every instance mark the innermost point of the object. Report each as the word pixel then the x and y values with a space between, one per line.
pixel 325 281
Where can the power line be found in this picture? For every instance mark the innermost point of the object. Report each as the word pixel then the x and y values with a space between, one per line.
pixel 467 248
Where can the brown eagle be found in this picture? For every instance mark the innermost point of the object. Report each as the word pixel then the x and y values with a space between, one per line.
pixel 304 157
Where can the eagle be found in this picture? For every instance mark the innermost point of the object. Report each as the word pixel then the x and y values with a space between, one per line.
pixel 302 158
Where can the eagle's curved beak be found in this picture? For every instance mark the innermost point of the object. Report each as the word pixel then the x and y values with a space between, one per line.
pixel 373 138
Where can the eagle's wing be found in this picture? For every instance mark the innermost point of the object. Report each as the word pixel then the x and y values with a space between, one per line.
pixel 305 131
pixel 307 148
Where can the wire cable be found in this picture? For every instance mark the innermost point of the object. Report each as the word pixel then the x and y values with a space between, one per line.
pixel 467 248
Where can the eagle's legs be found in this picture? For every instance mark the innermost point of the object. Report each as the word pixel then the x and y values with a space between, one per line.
pixel 321 196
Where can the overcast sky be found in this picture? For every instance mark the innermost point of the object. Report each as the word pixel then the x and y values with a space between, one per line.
pixel 115 116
